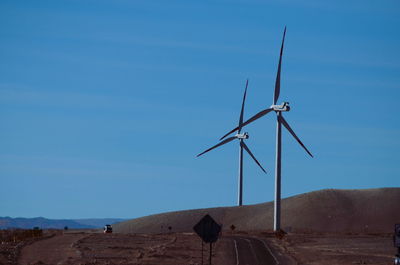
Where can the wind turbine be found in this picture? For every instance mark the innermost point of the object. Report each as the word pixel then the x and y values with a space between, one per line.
pixel 240 136
pixel 280 121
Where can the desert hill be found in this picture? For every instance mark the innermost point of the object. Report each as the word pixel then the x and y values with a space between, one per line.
pixel 330 210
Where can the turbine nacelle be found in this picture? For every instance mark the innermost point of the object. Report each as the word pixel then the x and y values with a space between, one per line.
pixel 281 108
pixel 242 135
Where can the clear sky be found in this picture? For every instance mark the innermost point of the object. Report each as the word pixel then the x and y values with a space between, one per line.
pixel 105 104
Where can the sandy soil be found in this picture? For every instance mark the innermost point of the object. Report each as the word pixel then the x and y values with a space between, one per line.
pixel 340 249
pixel 185 248
pixel 166 249
pixel 324 211
pixel 139 249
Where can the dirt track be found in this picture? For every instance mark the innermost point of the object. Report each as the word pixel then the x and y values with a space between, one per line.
pixel 56 250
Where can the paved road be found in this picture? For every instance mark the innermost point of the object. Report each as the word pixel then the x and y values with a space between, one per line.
pixel 252 251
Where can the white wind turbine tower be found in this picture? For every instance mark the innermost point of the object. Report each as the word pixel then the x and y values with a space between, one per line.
pixel 280 121
pixel 240 136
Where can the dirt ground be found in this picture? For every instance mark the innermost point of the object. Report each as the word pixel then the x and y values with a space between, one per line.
pixel 98 248
pixel 57 249
pixel 333 249
pixel 140 249
pixel 185 249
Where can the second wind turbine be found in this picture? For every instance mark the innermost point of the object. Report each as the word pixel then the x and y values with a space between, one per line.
pixel 240 136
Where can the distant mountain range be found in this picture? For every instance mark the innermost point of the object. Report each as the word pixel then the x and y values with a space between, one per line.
pixel 44 223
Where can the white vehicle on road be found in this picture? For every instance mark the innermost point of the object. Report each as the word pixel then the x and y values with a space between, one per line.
pixel 107 229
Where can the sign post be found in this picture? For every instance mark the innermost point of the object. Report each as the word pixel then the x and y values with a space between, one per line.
pixel 397 235
pixel 209 231
pixel 396 241
pixel 202 251
pixel 396 238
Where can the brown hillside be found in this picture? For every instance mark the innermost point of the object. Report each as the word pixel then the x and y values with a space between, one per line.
pixel 356 211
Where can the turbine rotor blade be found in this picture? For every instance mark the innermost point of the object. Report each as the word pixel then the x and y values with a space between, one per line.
pixel 242 111
pixel 219 144
pixel 287 126
pixel 252 156
pixel 231 131
pixel 255 117
pixel 278 74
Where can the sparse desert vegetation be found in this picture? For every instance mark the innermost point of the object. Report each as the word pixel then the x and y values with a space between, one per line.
pixel 12 240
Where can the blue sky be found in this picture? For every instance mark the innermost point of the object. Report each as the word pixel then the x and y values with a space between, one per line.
pixel 105 104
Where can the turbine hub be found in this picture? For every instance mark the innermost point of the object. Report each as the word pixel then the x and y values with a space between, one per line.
pixel 242 135
pixel 281 108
